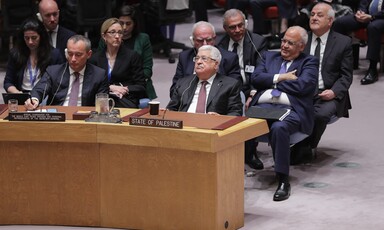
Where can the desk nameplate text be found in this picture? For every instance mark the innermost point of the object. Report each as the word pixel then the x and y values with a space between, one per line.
pixel 36 116
pixel 152 122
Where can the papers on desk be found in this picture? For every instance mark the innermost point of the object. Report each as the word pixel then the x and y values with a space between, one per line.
pixel 267 113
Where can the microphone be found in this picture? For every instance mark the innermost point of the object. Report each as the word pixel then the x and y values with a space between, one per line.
pixel 165 111
pixel 182 94
pixel 253 44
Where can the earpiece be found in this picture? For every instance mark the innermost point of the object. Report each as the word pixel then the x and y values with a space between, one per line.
pixel 66 52
pixel 246 24
pixel 38 15
pixel 191 40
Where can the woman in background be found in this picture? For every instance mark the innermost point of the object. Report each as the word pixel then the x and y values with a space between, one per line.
pixel 30 57
pixel 139 42
pixel 123 65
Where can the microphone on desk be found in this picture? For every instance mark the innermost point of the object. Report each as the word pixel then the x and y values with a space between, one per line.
pixel 49 77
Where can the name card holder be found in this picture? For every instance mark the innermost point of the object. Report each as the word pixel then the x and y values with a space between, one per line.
pixel 153 122
pixel 36 116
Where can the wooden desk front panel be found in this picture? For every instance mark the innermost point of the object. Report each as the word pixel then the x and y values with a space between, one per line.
pixel 49 183
pixel 160 188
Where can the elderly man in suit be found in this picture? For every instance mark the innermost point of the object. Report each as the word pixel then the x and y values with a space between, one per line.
pixel 370 15
pixel 207 91
pixel 203 33
pixel 49 14
pixel 74 83
pixel 248 46
pixel 335 76
pixel 287 79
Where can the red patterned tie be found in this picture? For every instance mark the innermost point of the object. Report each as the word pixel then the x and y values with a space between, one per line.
pixel 73 96
pixel 201 100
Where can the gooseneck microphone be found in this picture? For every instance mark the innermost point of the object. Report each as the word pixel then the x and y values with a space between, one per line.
pixel 49 76
pixel 182 94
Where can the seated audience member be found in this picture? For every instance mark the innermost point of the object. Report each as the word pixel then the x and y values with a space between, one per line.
pixel 203 33
pixel 370 15
pixel 248 46
pixel 58 35
pixel 137 41
pixel 123 65
pixel 207 91
pixel 74 83
pixel 287 79
pixel 30 57
pixel 335 76
pixel 287 11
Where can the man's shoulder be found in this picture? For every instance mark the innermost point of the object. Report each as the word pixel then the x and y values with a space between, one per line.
pixel 227 54
pixel 64 31
pixel 95 70
pixel 340 38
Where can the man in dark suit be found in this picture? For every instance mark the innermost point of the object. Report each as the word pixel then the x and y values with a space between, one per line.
pixel 49 14
pixel 203 33
pixel 222 93
pixel 335 76
pixel 370 15
pixel 287 79
pixel 58 83
pixel 248 46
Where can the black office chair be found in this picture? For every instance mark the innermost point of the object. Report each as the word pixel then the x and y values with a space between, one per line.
pixel 14 13
pixel 157 15
pixel 91 14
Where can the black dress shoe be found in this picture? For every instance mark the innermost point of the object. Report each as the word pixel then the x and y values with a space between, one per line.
pixel 370 78
pixel 282 192
pixel 256 164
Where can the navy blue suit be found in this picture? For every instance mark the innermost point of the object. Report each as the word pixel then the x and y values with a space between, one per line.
pixel 63 34
pixel 55 84
pixel 300 93
pixel 15 74
pixel 229 65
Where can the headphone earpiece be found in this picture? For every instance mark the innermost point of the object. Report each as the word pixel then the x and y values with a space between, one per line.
pixel 191 40
pixel 246 24
pixel 66 52
pixel 38 15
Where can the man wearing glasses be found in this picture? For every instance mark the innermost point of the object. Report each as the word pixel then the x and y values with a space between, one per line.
pixel 207 91
pixel 287 79
pixel 49 14
pixel 203 33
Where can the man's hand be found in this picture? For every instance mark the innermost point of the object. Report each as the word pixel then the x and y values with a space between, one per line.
pixel 31 104
pixel 362 17
pixel 287 76
pixel 118 90
pixel 247 102
pixel 327 95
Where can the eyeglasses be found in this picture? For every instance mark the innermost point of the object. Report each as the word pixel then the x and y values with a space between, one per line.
pixel 203 58
pixel 114 33
pixel 234 27
pixel 201 40
pixel 290 43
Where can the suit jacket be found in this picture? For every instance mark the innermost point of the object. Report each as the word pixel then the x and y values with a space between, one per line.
pixel 253 46
pixel 15 74
pixel 224 96
pixel 300 92
pixel 128 71
pixel 229 65
pixel 63 34
pixel 364 6
pixel 336 68
pixel 55 84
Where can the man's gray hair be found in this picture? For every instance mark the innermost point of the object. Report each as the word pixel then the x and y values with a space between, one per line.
pixel 303 33
pixel 203 23
pixel 232 13
pixel 213 51
pixel 78 37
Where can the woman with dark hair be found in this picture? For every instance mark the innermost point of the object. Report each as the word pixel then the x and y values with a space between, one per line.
pixel 123 65
pixel 137 41
pixel 30 57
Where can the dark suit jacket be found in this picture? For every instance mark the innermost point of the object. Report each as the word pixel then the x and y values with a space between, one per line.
pixel 63 34
pixel 128 70
pixel 252 50
pixel 300 92
pixel 224 96
pixel 229 65
pixel 336 68
pixel 55 83
pixel 15 75
pixel 364 6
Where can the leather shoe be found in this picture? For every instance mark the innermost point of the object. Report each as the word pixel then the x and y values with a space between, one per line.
pixel 283 192
pixel 370 78
pixel 256 164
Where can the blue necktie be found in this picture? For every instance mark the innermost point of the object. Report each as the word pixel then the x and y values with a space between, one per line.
pixel 374 7
pixel 283 69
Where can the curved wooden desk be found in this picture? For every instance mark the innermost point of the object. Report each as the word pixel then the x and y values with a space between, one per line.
pixel 116 175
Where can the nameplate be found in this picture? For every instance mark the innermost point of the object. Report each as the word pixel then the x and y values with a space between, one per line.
pixel 36 116
pixel 152 122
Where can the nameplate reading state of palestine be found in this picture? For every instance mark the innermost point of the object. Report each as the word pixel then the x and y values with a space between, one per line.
pixel 140 121
pixel 36 116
